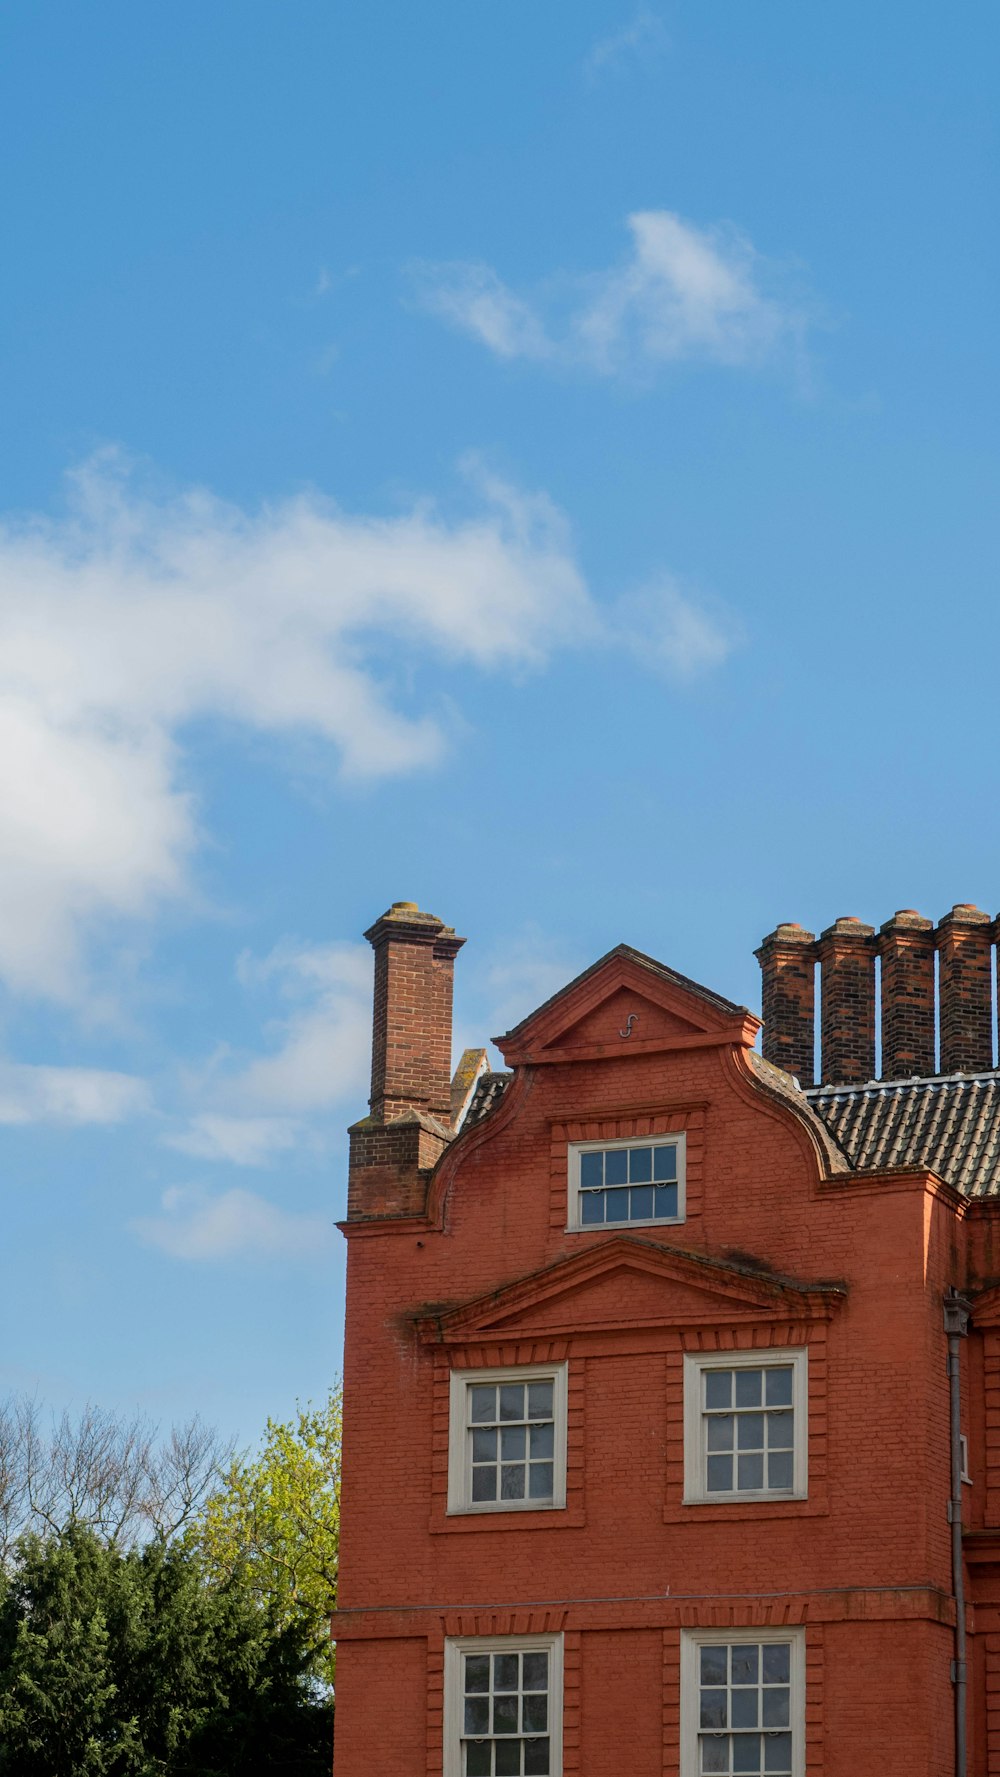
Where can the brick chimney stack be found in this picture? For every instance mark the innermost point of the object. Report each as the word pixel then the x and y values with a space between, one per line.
pixel 847 1015
pixel 965 986
pixel 787 958
pixel 906 948
pixel 411 1034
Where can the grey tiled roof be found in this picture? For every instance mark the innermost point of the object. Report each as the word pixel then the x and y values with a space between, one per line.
pixel 490 1089
pixel 950 1123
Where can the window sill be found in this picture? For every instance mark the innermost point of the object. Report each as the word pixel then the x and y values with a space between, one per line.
pixel 547 1518
pixel 696 1511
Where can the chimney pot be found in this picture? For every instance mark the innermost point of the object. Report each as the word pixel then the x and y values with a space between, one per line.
pixel 906 947
pixel 965 986
pixel 787 958
pixel 411 1030
pixel 847 1021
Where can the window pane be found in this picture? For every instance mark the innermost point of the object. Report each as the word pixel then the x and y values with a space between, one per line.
pixel 779 1471
pixel 540 1400
pixel 477 1715
pixel 505 1671
pixel 779 1430
pixel 512 1482
pixel 666 1201
pixel 744 1670
pixel 541 1480
pixel 513 1443
pixel 720 1431
pixel 713 1709
pixel 745 1708
pixel 778 1753
pixel 536 1672
pixel 592 1169
pixel 779 1387
pixel 750 1431
pixel 641 1206
pixel 509 1759
pixel 479 1759
pixel 542 1440
pixel 748 1388
pixel 750 1473
pixel 535 1715
pixel 640 1165
pixel 616 1166
pixel 617 1206
pixel 477 1672
pixel 665 1163
pixel 720 1474
pixel 484 1404
pixel 714 1665
pixel 718 1388
pixel 746 1752
pixel 536 1758
pixel 484 1446
pixel 505 1715
pixel 777 1662
pixel 484 1484
pixel 592 1208
pixel 512 1400
pixel 775 1709
pixel 715 1755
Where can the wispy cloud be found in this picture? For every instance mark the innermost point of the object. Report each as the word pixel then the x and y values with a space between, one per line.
pixel 683 294
pixel 232 1224
pixel 244 1141
pixel 69 1095
pixel 682 635
pixel 644 36
pixel 129 617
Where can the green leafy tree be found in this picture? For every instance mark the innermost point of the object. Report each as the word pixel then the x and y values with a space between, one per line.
pixel 137 1663
pixel 276 1518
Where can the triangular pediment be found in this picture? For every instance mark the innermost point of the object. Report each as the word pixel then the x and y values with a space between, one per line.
pixel 626 1002
pixel 627 1282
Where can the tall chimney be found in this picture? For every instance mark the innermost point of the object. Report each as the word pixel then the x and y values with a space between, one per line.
pixel 847 1014
pixel 787 958
pixel 411 1035
pixel 906 947
pixel 965 982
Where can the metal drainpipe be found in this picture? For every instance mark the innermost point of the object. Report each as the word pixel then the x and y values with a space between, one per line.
pixel 956 1325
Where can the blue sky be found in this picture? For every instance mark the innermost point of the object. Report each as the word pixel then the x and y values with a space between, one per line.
pixel 533 459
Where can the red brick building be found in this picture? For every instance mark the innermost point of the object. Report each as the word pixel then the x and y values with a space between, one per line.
pixel 672 1380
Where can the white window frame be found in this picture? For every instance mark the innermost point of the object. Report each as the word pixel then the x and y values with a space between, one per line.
pixel 460 1498
pixel 675 1138
pixel 454 1719
pixel 773 1357
pixel 692 1640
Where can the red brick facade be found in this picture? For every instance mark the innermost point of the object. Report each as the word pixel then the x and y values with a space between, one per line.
pixel 465 1258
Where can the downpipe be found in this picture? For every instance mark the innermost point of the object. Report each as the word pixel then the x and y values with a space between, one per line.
pixel 956 1326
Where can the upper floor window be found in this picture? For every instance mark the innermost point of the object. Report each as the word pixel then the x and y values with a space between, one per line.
pixel 742 1703
pixel 503 1707
pixel 745 1425
pixel 617 1184
pixel 507 1439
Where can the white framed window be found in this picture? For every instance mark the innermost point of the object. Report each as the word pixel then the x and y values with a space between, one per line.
pixel 503 1707
pixel 620 1184
pixel 507 1439
pixel 743 1703
pixel 745 1425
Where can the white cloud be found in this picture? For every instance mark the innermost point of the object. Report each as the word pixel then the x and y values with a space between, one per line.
pixel 683 294
pixel 69 1095
pixel 245 1141
pixel 129 617
pixel 668 628
pixel 322 1050
pixel 645 35
pixel 234 1224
